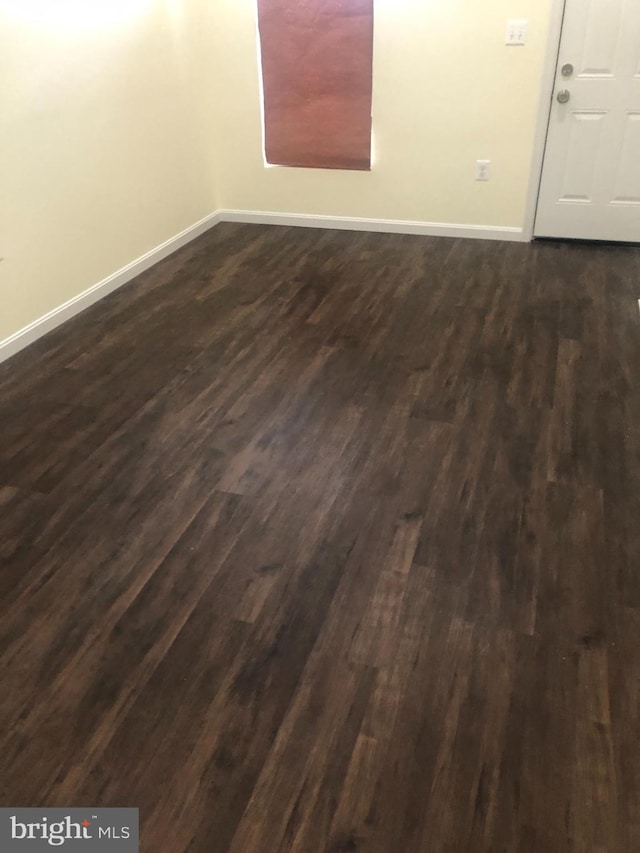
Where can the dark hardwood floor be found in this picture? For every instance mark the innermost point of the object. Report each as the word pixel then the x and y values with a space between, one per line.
pixel 326 541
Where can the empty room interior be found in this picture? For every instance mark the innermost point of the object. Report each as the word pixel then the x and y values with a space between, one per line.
pixel 320 426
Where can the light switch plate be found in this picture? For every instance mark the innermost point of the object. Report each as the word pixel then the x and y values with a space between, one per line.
pixel 516 32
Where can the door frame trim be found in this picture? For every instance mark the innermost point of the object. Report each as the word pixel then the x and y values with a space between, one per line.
pixel 547 84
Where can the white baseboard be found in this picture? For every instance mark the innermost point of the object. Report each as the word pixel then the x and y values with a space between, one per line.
pixel 22 338
pixel 387 226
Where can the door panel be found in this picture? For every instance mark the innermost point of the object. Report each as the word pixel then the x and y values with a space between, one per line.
pixel 600 39
pixel 627 185
pixel 590 187
pixel 578 174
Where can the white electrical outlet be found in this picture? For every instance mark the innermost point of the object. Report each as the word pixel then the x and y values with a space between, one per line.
pixel 516 32
pixel 483 170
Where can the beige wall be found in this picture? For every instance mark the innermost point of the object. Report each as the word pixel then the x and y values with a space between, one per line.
pixel 124 122
pixel 105 132
pixel 447 92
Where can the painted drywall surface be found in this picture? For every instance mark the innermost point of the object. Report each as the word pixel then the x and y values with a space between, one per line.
pixel 105 135
pixel 447 92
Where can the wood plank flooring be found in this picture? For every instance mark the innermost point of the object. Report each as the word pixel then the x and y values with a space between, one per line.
pixel 324 541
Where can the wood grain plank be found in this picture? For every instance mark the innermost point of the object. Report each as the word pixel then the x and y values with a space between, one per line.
pixel 328 541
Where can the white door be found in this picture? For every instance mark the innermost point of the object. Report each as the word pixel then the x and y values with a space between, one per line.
pixel 590 185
